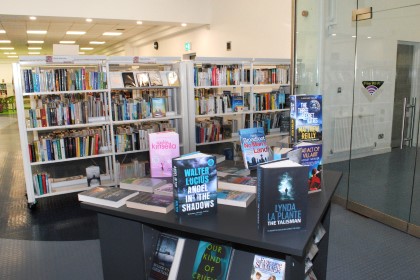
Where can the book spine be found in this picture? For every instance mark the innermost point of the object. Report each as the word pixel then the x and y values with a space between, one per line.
pixel 176 189
pixel 260 190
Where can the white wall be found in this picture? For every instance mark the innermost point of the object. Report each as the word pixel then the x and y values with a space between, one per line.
pixel 6 72
pixel 255 29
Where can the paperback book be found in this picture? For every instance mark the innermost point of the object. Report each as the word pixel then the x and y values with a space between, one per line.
pixel 151 202
pixel 268 268
pixel 240 183
pixel 173 79
pixel 163 147
pixel 167 257
pixel 211 261
pixel 128 79
pixel 142 184
pixel 93 176
pixel 282 196
pixel 116 80
pixel 167 189
pixel 311 156
pixel 158 107
pixel 195 185
pixel 254 146
pixel 107 196
pixel 155 79
pixel 143 79
pixel 234 198
pixel 305 118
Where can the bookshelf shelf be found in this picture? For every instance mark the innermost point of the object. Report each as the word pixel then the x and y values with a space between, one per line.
pixel 70 159
pixel 62 127
pixel 63 92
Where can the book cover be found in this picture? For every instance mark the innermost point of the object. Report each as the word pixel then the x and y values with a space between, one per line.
pixel 282 196
pixel 151 202
pixel 93 176
pixel 268 268
pixel 195 185
pixel 107 196
pixel 166 189
pixel 128 79
pixel 158 107
pixel 173 79
pixel 254 146
pixel 238 183
pixel 116 80
pixel 143 79
pixel 305 118
pixel 155 79
pixel 167 257
pixel 234 198
pixel 230 168
pixel 142 184
pixel 311 156
pixel 163 147
pixel 211 261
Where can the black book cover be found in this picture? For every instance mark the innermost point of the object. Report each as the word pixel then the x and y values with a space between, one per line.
pixel 195 184
pixel 163 257
pixel 282 196
pixel 128 79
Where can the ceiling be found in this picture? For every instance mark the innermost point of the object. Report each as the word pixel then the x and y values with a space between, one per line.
pixel 16 28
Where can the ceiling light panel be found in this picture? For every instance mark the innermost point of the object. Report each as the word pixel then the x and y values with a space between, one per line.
pixel 87 49
pixel 96 42
pixel 5 41
pixel 7 48
pixel 76 32
pixel 112 33
pixel 2 31
pixel 35 42
pixel 36 31
pixel 34 48
pixel 67 42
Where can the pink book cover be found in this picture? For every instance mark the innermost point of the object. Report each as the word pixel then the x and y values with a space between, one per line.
pixel 163 147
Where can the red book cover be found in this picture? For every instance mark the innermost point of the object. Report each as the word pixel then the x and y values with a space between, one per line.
pixel 44 183
pixel 43 117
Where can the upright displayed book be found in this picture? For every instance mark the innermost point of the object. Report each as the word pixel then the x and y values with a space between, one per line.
pixel 142 184
pixel 254 146
pixel 158 107
pixel 151 202
pixel 211 261
pixel 107 196
pixel 167 257
pixel 268 268
pixel 93 176
pixel 195 185
pixel 163 147
pixel 305 118
pixel 311 156
pixel 142 79
pixel 128 79
pixel 282 196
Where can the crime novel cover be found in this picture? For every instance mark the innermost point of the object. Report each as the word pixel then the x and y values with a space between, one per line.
pixel 163 147
pixel 268 268
pixel 305 118
pixel 282 196
pixel 311 156
pixel 195 184
pixel 254 146
pixel 211 261
pixel 163 257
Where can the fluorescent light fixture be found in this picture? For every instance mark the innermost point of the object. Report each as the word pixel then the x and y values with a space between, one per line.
pixel 369 37
pixel 36 31
pixel 183 24
pixel 12 56
pixel 86 49
pixel 112 33
pixel 139 22
pixel 333 34
pixel 67 42
pixel 81 52
pixel 2 31
pixel 32 18
pixel 34 48
pixel 96 42
pixel 354 36
pixel 76 32
pixel 35 42
pixel 7 48
pixel 33 52
pixel 4 41
pixel 89 20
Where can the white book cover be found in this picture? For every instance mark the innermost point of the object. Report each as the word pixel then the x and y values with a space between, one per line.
pixel 142 184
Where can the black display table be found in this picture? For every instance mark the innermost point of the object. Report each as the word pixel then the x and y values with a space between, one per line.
pixel 123 240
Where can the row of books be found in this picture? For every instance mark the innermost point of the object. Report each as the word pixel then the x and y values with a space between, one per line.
pixel 135 109
pixel 153 78
pixel 217 75
pixel 270 100
pixel 133 169
pixel 278 75
pixel 67 144
pixel 41 183
pixel 218 104
pixel 63 79
pixel 215 129
pixel 64 111
pixel 271 122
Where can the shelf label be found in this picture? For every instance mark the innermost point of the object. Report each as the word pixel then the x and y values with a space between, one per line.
pixel 59 59
pixel 145 60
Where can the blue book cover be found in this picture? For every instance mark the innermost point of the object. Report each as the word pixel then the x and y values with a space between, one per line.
pixel 211 261
pixel 254 146
pixel 311 156
pixel 305 118
pixel 195 185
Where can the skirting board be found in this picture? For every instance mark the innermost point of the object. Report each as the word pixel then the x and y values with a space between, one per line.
pixel 414 230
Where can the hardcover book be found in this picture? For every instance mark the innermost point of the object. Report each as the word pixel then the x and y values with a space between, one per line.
pixel 107 196
pixel 163 147
pixel 128 79
pixel 93 176
pixel 211 261
pixel 234 198
pixel 268 268
pixel 195 185
pixel 282 196
pixel 254 146
pixel 173 79
pixel 167 189
pixel 143 79
pixel 142 184
pixel 151 202
pixel 155 79
pixel 311 156
pixel 305 118
pixel 167 257
pixel 158 107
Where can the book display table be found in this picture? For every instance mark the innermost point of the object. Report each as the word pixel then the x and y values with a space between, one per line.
pixel 125 245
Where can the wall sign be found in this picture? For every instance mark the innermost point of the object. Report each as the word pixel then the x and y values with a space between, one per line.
pixel 372 87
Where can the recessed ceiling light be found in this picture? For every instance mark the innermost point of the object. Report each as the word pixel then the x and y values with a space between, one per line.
pixel 89 20
pixel 369 37
pixel 7 48
pixel 354 36
pixel 81 52
pixel 12 56
pixel 4 41
pixel 333 34
pixel 67 42
pixel 86 49
pixel 183 24
pixel 32 18
pixel 33 52
pixel 111 33
pixel 96 42
pixel 34 48
pixel 139 22
pixel 36 31
pixel 2 31
pixel 76 32
pixel 35 42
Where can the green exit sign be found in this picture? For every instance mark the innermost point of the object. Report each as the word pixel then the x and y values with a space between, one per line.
pixel 187 46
